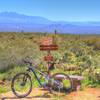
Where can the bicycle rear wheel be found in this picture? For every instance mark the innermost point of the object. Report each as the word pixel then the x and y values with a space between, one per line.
pixel 21 85
pixel 62 83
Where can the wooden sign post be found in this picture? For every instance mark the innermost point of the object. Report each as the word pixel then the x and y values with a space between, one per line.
pixel 47 44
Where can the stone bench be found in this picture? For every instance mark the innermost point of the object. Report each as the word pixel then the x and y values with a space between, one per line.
pixel 76 81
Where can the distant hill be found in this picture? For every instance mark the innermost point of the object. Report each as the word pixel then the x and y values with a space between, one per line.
pixel 11 21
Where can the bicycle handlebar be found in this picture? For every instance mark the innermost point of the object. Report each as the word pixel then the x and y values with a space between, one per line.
pixel 30 62
pixel 27 62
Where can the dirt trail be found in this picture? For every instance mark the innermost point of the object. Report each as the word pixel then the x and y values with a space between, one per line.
pixel 38 94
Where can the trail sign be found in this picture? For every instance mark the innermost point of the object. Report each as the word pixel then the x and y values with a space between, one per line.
pixel 47 41
pixel 47 44
pixel 48 47
pixel 48 58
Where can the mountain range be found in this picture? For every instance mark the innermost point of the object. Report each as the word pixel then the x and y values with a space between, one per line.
pixel 15 22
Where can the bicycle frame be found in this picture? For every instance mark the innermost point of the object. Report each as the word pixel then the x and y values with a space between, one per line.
pixel 34 70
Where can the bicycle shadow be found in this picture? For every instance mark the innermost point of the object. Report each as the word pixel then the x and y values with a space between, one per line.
pixel 46 96
pixel 27 98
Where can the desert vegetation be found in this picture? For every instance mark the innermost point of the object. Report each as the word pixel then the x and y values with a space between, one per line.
pixel 79 52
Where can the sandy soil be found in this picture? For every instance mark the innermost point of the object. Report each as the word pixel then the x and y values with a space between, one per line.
pixel 40 94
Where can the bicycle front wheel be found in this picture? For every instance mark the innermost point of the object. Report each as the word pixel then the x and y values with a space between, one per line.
pixel 21 85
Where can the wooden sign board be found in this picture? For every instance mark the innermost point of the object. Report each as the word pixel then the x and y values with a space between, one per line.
pixel 48 58
pixel 47 41
pixel 48 47
pixel 47 44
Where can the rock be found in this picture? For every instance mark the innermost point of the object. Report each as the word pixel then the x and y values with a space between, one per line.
pixel 1 83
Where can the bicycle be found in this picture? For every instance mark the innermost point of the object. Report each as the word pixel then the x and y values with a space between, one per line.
pixel 22 83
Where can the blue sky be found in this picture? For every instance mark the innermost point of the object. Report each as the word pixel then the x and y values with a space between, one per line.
pixel 62 10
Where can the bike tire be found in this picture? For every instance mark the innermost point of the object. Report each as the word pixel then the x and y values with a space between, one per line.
pixel 13 85
pixel 66 89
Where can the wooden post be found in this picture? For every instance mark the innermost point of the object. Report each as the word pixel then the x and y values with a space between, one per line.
pixel 47 44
